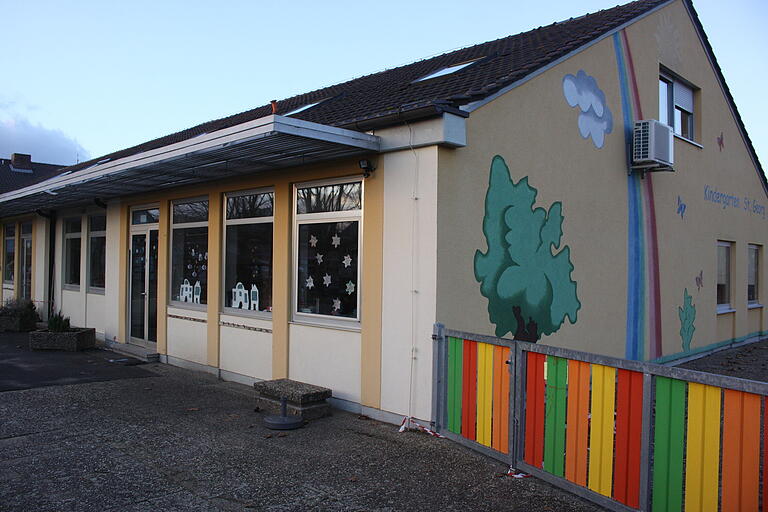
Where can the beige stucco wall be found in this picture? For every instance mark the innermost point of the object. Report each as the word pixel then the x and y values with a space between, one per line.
pixel 535 130
pixel 244 351
pixel 408 293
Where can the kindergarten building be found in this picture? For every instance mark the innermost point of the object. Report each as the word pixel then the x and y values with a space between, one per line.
pixel 500 189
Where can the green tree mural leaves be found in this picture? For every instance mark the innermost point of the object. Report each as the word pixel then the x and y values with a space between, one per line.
pixel 687 314
pixel 528 287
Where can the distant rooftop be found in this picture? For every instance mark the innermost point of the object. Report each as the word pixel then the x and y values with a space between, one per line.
pixel 20 171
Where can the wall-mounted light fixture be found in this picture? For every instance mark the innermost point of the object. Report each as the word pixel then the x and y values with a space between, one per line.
pixel 367 167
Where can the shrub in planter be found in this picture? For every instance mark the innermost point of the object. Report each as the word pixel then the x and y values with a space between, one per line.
pixel 18 316
pixel 61 336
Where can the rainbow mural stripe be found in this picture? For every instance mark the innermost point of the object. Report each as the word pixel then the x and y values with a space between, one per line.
pixel 643 292
pixel 478 392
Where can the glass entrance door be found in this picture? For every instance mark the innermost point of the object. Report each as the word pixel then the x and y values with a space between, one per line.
pixel 143 287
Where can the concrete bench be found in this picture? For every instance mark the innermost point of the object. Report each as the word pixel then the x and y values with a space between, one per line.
pixel 305 400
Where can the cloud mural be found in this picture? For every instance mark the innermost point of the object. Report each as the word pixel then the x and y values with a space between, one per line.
pixel 595 118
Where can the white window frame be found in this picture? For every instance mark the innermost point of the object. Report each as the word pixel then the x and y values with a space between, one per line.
pixel 22 238
pixel 95 234
pixel 756 302
pixel 12 264
pixel 725 307
pixel 320 218
pixel 267 315
pixel 65 256
pixel 674 104
pixel 183 225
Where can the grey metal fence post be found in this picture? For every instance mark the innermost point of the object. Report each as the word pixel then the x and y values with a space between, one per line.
pixel 518 426
pixel 438 375
pixel 512 435
pixel 645 440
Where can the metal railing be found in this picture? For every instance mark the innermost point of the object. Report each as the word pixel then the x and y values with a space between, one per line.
pixel 627 435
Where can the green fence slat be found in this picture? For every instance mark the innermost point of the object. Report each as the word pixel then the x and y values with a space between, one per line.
pixel 554 419
pixel 669 435
pixel 455 357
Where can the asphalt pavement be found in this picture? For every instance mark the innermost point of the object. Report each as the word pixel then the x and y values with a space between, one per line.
pixel 81 433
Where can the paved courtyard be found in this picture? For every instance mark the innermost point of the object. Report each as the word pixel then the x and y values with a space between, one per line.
pixel 155 437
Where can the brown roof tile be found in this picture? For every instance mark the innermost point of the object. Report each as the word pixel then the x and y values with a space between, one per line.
pixel 371 98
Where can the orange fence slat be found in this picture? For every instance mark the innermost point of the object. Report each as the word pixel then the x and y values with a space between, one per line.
pixel 500 418
pixel 740 459
pixel 577 432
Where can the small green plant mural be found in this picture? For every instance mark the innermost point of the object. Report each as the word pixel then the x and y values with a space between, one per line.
pixel 687 314
pixel 528 287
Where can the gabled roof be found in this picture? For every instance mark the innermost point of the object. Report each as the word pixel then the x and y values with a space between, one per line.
pixel 394 95
pixel 12 178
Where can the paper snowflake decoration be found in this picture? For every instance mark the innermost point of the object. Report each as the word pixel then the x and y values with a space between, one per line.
pixel 347 261
pixel 310 282
pixel 319 258
pixel 313 241
pixel 336 304
pixel 350 287
pixel 327 280
pixel 335 241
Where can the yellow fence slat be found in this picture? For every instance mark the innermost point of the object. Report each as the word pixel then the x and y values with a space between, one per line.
pixel 703 448
pixel 601 436
pixel 484 392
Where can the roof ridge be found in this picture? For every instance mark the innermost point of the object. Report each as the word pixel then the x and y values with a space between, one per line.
pixel 373 95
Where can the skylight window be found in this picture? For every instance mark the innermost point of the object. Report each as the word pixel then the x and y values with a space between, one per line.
pixel 446 71
pixel 301 109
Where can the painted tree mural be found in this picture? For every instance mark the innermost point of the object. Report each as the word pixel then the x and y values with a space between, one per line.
pixel 528 286
pixel 687 314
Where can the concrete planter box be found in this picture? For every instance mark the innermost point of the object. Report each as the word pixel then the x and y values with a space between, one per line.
pixel 71 341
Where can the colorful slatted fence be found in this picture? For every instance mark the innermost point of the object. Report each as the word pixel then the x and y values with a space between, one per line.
pixel 478 397
pixel 626 434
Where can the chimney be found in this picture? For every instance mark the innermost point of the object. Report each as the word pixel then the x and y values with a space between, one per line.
pixel 21 161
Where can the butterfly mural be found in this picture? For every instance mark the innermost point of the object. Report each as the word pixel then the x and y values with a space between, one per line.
pixel 681 207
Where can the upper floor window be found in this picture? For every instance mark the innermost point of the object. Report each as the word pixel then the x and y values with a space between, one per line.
pixel 72 228
pixel 753 274
pixel 9 252
pixel 676 105
pixel 724 275
pixel 248 251
pixel 327 265
pixel 189 251
pixel 97 250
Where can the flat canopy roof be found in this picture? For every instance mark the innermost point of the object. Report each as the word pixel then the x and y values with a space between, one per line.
pixel 269 143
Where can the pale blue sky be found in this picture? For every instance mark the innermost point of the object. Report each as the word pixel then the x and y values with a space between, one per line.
pixel 113 74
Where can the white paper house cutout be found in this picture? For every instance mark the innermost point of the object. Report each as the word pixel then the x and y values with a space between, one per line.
pixel 197 292
pixel 254 298
pixel 185 291
pixel 240 297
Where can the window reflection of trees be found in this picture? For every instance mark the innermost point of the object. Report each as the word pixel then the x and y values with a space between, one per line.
pixel 252 205
pixel 190 212
pixel 329 198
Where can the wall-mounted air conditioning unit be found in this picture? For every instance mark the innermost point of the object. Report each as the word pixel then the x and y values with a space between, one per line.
pixel 652 146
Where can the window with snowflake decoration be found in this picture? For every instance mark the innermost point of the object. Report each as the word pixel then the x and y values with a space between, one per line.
pixel 328 250
pixel 248 251
pixel 189 252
